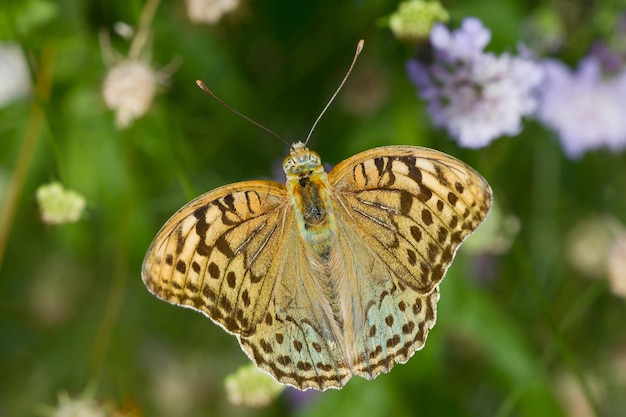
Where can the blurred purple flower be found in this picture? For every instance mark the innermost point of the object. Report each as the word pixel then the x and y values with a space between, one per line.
pixel 477 96
pixel 610 61
pixel 587 110
pixel 300 399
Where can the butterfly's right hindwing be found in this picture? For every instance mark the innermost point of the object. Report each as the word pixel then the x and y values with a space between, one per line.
pixel 215 254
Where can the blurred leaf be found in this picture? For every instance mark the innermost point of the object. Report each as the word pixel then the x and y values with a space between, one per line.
pixel 23 17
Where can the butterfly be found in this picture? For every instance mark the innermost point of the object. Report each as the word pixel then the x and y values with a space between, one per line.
pixel 330 275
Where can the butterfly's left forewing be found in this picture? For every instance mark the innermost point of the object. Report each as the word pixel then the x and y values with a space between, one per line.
pixel 215 254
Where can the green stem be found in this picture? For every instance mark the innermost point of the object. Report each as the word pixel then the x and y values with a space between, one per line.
pixel 115 296
pixel 544 245
pixel 143 31
pixel 117 291
pixel 24 160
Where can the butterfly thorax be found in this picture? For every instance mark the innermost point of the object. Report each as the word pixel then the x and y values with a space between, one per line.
pixel 309 195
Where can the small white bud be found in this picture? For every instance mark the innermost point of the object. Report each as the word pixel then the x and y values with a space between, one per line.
pixel 210 11
pixel 129 89
pixel 616 266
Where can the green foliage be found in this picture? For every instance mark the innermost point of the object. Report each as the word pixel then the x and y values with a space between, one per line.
pixel 74 314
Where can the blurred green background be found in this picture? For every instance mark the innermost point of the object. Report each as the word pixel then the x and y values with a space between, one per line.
pixel 520 332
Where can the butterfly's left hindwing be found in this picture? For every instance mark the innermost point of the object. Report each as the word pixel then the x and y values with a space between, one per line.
pixel 215 254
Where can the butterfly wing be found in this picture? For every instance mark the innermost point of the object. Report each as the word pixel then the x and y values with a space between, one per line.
pixel 413 206
pixel 235 255
pixel 386 322
pixel 215 254
pixel 299 343
pixel 403 211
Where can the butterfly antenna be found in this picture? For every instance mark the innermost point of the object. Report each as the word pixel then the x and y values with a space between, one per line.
pixel 254 122
pixel 359 48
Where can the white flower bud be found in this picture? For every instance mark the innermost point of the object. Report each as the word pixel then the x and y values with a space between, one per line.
pixel 77 408
pixel 616 266
pixel 588 245
pixel 129 89
pixel 14 75
pixel 209 11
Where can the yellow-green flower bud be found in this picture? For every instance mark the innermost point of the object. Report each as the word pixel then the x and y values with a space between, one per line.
pixel 415 18
pixel 251 387
pixel 58 205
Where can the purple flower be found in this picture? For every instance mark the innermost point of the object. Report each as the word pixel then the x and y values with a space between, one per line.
pixel 464 44
pixel 477 96
pixel 587 110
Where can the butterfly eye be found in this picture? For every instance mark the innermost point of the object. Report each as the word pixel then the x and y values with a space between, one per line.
pixel 313 160
pixel 288 165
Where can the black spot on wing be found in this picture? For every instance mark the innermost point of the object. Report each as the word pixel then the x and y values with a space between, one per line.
pixel 441 177
pixel 406 202
pixel 222 245
pixel 229 200
pixel 414 172
pixel 380 164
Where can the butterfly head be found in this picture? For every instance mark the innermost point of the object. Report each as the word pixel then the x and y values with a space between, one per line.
pixel 302 161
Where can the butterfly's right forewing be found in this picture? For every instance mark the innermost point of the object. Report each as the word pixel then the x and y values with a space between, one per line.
pixel 413 206
pixel 215 254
